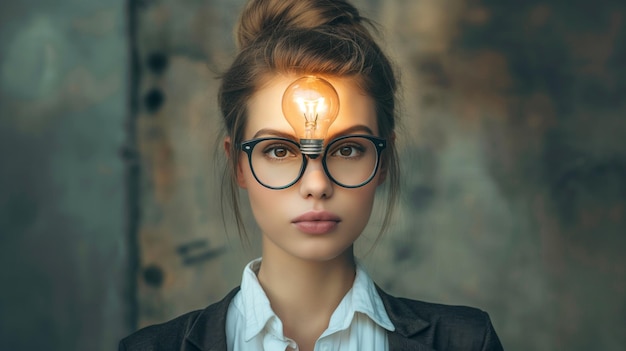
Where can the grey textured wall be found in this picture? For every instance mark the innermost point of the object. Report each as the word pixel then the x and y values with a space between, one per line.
pixel 512 144
pixel 63 252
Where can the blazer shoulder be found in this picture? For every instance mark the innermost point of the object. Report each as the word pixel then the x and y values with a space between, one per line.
pixel 169 335
pixel 445 327
pixel 441 313
pixel 464 326
pixel 200 328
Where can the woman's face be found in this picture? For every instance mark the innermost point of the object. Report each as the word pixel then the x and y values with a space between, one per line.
pixel 314 219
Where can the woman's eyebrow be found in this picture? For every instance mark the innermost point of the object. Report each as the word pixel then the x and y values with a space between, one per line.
pixel 272 132
pixel 357 129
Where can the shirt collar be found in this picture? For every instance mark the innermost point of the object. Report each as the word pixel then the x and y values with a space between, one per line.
pixel 362 298
pixel 256 306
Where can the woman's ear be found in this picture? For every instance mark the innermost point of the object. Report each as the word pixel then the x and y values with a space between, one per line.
pixel 384 161
pixel 238 172
pixel 227 143
pixel 382 172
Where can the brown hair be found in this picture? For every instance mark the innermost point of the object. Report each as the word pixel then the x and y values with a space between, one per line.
pixel 327 37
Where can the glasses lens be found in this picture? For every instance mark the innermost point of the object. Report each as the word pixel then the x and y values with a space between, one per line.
pixel 276 163
pixel 351 161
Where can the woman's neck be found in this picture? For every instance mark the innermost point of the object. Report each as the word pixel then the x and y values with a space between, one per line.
pixel 305 293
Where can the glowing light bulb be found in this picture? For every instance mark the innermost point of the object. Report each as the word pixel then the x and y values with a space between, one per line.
pixel 310 105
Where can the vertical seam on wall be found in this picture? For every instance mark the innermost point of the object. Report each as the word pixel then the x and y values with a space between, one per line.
pixel 133 170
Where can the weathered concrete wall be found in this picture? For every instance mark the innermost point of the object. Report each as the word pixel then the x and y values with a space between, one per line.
pixel 63 252
pixel 516 203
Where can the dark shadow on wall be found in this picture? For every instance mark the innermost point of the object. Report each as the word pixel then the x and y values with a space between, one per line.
pixel 63 106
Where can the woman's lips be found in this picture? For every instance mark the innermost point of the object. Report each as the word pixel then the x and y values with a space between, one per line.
pixel 316 222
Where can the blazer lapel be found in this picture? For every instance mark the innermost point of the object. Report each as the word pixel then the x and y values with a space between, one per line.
pixel 407 322
pixel 208 332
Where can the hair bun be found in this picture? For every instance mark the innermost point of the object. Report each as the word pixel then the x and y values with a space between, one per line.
pixel 262 17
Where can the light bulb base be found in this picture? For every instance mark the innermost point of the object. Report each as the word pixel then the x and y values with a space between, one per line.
pixel 312 147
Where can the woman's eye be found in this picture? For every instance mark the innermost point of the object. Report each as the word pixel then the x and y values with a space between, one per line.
pixel 278 152
pixel 348 151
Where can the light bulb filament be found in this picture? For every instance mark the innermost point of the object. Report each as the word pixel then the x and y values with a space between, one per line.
pixel 316 100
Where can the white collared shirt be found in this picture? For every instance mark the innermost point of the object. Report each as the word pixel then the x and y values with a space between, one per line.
pixel 360 322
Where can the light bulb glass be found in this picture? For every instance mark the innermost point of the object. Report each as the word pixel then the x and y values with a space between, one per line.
pixel 310 105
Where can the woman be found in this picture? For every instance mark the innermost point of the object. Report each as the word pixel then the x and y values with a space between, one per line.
pixel 312 195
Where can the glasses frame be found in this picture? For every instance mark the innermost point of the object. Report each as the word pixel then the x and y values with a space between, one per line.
pixel 379 143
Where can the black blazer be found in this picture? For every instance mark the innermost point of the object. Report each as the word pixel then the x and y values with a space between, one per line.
pixel 420 326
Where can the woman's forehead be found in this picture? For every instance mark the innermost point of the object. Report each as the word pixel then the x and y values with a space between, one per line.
pixel 265 106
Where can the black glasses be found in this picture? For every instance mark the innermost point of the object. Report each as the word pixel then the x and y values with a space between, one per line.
pixel 350 161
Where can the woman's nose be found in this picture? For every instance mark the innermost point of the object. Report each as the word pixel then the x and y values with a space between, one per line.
pixel 314 182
